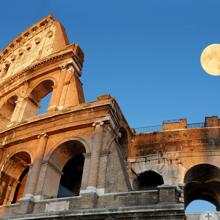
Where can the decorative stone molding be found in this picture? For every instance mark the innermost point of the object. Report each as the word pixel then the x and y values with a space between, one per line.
pixel 24 75
pixel 42 135
pixel 105 153
pixel 98 123
pixel 87 155
pixel 23 37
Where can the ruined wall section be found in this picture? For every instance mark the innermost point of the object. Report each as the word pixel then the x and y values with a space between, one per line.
pixel 172 152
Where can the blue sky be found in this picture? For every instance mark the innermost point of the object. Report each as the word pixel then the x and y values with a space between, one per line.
pixel 145 53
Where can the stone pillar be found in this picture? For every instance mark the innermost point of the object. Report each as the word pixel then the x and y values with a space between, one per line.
pixel 3 121
pixel 72 93
pixel 36 167
pixel 57 91
pixel 21 103
pixel 95 156
pixel 26 109
pixel 48 181
pixel 9 194
pixel 102 171
pixel 16 114
pixel 66 83
pixel 86 168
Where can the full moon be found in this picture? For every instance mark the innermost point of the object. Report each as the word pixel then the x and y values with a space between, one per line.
pixel 210 59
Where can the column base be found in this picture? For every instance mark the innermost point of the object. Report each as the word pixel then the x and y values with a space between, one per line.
pixel 27 197
pixel 39 198
pixel 52 108
pixel 92 189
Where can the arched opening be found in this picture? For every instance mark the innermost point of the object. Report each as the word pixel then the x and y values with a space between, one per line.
pixel 6 111
pixel 39 99
pixel 149 179
pixel 123 141
pixel 13 178
pixel 199 205
pixel 70 181
pixel 44 104
pixel 202 183
pixel 68 158
pixel 19 191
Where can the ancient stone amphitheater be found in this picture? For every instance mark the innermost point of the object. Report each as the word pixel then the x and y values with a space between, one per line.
pixel 81 160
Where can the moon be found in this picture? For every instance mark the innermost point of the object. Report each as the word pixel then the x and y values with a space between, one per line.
pixel 210 59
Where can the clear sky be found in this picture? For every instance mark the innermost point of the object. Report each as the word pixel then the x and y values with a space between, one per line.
pixel 145 53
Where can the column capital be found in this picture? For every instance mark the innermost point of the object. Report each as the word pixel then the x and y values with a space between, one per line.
pixel 54 86
pixel 87 155
pixel 20 99
pixel 66 66
pixel 62 66
pixel 42 135
pixel 105 153
pixel 97 124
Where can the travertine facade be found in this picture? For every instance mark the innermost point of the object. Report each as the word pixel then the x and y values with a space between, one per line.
pixel 81 160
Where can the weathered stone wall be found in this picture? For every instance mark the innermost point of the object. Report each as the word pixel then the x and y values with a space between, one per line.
pixel 172 153
pixel 152 204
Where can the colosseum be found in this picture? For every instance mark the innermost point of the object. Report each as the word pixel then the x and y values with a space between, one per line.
pixel 81 160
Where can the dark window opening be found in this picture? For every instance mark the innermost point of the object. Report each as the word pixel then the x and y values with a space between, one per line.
pixel 19 191
pixel 202 184
pixel 149 179
pixel 14 177
pixel 70 182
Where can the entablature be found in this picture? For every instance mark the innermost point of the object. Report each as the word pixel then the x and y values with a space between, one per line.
pixel 72 55
pixel 78 117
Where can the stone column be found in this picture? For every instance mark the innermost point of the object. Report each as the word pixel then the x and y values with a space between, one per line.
pixel 95 156
pixel 72 93
pixel 48 181
pixel 36 167
pixel 57 91
pixel 86 168
pixel 102 171
pixel 16 114
pixel 12 184
pixel 65 87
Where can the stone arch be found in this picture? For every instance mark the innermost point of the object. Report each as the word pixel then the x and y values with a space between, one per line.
pixel 74 138
pixel 7 110
pixel 65 169
pixel 37 93
pixel 13 177
pixel 202 182
pixel 147 180
pixel 36 82
pixel 21 149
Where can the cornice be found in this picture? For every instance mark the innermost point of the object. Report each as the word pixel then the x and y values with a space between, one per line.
pixel 18 132
pixel 70 50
